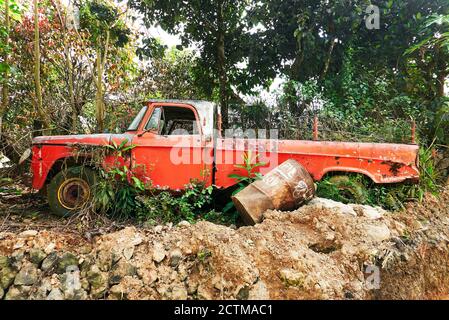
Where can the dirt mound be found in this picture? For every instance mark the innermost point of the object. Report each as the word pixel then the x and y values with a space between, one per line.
pixel 324 250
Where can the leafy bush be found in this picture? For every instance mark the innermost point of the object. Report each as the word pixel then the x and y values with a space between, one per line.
pixel 165 207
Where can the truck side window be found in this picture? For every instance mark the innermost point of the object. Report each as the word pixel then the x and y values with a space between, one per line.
pixel 153 123
pixel 179 121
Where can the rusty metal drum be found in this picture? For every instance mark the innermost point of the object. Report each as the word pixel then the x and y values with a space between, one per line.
pixel 284 188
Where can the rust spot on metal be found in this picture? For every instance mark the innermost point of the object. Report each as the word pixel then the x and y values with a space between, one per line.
pixel 394 166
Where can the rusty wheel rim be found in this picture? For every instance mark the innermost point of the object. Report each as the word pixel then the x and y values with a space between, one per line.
pixel 73 193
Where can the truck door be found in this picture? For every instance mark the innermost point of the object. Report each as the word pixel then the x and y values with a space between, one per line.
pixel 169 149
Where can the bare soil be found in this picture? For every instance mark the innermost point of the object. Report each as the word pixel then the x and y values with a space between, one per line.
pixel 315 252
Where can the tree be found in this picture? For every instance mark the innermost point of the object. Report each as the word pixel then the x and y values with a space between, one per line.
pixel 217 28
pixel 107 29
pixel 4 64
pixel 44 119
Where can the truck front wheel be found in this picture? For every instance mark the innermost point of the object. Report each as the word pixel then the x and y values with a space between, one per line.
pixel 70 190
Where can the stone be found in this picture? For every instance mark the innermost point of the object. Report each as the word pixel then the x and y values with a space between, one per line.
pixel 377 233
pixel 128 252
pixel 158 229
pixel 7 276
pixel 159 252
pixel 4 262
pixel 321 203
pixel 105 260
pixel 179 292
pixel 175 257
pixel 17 293
pixel 148 276
pixel 27 234
pixel 117 292
pixel 50 247
pixel 27 276
pixel 183 224
pixel 55 294
pixel 120 270
pixel 50 261
pixel 372 213
pixel 98 281
pixel 203 293
pixel 71 284
pixel 37 256
pixel 68 259
pixel 292 278
pixel 259 291
pixel 2 293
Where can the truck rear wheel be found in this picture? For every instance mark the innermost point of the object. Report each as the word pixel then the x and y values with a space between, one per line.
pixel 350 191
pixel 70 190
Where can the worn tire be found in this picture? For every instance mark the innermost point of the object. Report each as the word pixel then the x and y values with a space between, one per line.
pixel 350 190
pixel 70 190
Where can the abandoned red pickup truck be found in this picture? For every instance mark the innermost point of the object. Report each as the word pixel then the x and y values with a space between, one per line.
pixel 176 141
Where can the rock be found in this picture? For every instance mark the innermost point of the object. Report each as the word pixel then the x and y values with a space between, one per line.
pixel 37 256
pixel 105 259
pixel 55 294
pixel 136 241
pixel 68 259
pixel 292 278
pixel 118 292
pixel 175 257
pixel 27 276
pixel 203 293
pixel 377 232
pixel 2 293
pixel 259 291
pixel 4 262
pixel 50 261
pixel 179 292
pixel 18 245
pixel 243 293
pixel 98 281
pixel 148 276
pixel 128 252
pixel 50 247
pixel 158 252
pixel 183 224
pixel 17 293
pixel 120 270
pixel 321 203
pixel 7 275
pixel 369 212
pixel 71 284
pixel 158 229
pixel 27 234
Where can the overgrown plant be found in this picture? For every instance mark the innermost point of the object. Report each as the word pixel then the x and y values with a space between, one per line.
pixel 249 165
pixel 162 206
pixel 391 197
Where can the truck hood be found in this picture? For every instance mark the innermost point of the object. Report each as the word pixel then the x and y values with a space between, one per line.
pixel 84 139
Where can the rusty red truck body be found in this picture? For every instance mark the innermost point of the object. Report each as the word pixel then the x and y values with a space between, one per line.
pixel 177 141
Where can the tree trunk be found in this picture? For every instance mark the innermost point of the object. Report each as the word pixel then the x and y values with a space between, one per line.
pixel 328 58
pixel 221 66
pixel 69 67
pixel 99 105
pixel 99 93
pixel 5 88
pixel 37 74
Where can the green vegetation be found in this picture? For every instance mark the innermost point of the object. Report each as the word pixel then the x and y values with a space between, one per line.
pixel 354 188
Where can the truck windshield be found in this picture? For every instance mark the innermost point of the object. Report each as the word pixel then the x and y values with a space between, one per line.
pixel 135 124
